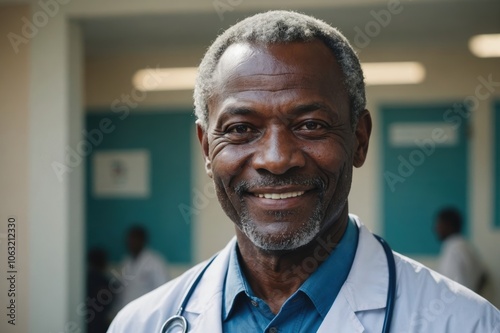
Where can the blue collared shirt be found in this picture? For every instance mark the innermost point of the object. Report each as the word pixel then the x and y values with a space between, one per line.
pixel 305 310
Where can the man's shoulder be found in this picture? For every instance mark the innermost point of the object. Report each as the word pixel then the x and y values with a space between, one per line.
pixel 152 255
pixel 429 298
pixel 455 242
pixel 416 278
pixel 154 307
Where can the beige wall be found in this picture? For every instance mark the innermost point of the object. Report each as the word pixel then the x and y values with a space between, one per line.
pixel 14 120
pixel 452 74
pixel 110 76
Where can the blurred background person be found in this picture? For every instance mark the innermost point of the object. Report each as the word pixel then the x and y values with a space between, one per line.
pixel 458 259
pixel 143 268
pixel 97 280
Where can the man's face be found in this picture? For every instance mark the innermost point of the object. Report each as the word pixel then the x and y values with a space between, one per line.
pixel 279 143
pixel 442 229
pixel 135 243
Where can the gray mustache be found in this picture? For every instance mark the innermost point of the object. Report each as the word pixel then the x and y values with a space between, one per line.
pixel 270 181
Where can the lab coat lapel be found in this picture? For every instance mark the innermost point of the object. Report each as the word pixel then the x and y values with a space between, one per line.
pixel 341 318
pixel 365 288
pixel 206 300
pixel 210 319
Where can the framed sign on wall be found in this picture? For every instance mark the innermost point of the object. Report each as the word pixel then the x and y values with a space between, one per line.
pixel 121 173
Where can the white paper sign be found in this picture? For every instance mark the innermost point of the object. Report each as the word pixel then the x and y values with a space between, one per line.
pixel 121 174
pixel 411 134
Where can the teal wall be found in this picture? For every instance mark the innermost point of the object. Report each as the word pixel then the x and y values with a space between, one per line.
pixel 167 136
pixel 415 188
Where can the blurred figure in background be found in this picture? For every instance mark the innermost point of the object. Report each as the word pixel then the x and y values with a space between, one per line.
pixel 458 260
pixel 145 269
pixel 97 280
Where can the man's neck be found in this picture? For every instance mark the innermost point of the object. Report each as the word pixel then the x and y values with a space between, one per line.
pixel 275 276
pixel 136 255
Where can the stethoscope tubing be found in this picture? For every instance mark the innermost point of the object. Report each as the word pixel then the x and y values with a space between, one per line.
pixel 178 319
pixel 391 290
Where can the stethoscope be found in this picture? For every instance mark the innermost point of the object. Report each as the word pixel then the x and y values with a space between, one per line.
pixel 178 324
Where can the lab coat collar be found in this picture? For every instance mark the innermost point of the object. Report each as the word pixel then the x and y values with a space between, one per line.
pixel 206 300
pixel 365 288
pixel 367 284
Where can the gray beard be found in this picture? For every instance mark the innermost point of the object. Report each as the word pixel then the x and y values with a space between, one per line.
pixel 306 233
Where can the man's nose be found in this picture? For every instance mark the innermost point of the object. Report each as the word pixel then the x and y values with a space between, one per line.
pixel 277 152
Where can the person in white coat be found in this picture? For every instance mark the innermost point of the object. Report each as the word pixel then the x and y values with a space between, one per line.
pixel 281 119
pixel 458 260
pixel 146 270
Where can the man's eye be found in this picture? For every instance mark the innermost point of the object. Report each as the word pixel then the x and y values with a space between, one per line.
pixel 240 129
pixel 311 125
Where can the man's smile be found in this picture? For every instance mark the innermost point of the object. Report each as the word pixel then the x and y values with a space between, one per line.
pixel 278 196
pixel 296 198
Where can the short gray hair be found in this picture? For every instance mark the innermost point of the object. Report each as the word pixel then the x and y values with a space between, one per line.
pixel 275 27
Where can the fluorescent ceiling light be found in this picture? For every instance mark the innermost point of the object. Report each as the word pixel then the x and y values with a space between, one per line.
pixel 485 46
pixel 183 78
pixel 158 79
pixel 379 73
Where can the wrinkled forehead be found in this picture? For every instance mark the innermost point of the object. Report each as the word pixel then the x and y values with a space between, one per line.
pixel 278 67
pixel 248 59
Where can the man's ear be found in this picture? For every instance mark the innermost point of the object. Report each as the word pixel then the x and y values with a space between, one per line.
pixel 363 131
pixel 203 138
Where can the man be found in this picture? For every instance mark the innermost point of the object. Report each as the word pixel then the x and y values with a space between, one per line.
pixel 282 121
pixel 458 260
pixel 145 268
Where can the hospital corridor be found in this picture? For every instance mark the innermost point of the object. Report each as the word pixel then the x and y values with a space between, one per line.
pixel 139 139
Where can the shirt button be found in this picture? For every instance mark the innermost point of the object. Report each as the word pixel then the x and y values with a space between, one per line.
pixel 254 303
pixel 273 330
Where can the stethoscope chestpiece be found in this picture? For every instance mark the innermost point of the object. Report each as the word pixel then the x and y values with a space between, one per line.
pixel 175 324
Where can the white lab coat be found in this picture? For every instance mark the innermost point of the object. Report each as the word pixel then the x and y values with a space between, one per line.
pixel 425 302
pixel 459 262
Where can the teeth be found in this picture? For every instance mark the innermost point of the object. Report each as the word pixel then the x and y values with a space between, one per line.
pixel 277 196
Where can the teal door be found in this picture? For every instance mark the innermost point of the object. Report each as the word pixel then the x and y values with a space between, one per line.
pixel 424 169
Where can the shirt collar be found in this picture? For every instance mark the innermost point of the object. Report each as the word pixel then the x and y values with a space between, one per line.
pixel 332 273
pixel 234 285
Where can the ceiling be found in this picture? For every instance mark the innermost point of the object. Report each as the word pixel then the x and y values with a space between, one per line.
pixel 419 23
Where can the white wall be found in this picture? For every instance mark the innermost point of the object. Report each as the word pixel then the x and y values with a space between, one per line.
pixel 55 212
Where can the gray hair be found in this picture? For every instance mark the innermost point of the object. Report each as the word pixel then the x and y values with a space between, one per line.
pixel 275 27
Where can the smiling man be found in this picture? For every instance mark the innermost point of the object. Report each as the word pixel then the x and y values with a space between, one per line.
pixel 281 114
